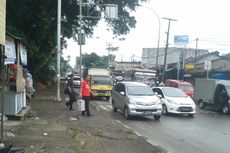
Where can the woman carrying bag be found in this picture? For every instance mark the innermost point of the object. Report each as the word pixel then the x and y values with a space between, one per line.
pixel 85 94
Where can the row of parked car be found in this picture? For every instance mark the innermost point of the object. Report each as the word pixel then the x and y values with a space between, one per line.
pixel 138 99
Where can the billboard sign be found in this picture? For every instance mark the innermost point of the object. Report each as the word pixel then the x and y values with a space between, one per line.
pixel 181 39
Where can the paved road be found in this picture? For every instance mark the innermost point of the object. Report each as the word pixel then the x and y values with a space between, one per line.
pixel 207 132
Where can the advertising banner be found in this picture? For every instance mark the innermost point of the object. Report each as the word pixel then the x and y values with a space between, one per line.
pixel 23 54
pixel 181 39
pixel 10 51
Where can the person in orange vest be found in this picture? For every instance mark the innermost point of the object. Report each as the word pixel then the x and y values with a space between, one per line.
pixel 85 94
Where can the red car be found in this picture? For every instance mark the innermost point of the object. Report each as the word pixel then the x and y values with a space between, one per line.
pixel 183 85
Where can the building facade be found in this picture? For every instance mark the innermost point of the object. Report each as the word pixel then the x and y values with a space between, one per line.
pixel 127 66
pixel 174 55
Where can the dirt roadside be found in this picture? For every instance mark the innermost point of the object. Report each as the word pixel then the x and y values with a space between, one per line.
pixel 50 128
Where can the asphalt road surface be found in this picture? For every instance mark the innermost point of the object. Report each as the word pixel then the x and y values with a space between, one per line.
pixel 207 132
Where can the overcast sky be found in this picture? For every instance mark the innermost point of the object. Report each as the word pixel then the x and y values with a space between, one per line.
pixel 207 20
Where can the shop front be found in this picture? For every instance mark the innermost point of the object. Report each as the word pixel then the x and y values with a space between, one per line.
pixel 14 97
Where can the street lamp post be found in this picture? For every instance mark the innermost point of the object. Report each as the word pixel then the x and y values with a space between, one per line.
pixel 166 48
pixel 111 11
pixel 80 37
pixel 159 32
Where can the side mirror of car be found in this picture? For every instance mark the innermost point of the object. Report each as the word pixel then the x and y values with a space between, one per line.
pixel 122 93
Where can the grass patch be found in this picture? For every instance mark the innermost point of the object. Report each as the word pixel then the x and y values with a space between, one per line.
pixel 80 141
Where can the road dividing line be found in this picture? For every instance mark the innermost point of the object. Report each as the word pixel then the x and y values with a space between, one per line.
pixel 150 141
pixel 138 134
pixel 109 107
pixel 104 108
pixel 123 124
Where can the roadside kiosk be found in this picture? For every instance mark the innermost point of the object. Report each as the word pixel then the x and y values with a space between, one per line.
pixel 14 97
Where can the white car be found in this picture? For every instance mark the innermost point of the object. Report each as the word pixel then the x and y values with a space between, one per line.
pixel 175 101
pixel 76 81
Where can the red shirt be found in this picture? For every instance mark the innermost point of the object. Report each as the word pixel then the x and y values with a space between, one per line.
pixel 85 88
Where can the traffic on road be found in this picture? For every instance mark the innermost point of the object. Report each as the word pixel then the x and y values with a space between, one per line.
pixel 183 127
pixel 169 117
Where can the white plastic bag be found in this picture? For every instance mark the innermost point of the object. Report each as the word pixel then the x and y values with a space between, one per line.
pixel 81 104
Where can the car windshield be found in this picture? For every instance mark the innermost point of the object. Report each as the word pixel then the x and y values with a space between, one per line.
pixel 76 79
pixel 173 92
pixel 101 80
pixel 185 87
pixel 139 91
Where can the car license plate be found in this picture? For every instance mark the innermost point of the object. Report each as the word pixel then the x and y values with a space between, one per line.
pixel 186 109
pixel 147 112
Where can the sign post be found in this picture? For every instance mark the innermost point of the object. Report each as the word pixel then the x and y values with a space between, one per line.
pixel 207 67
pixel 181 40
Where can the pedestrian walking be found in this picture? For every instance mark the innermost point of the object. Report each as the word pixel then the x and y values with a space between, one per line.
pixel 72 94
pixel 85 94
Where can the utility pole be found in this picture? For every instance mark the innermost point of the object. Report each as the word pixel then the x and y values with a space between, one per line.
pixel 80 39
pixel 166 48
pixel 195 54
pixel 58 49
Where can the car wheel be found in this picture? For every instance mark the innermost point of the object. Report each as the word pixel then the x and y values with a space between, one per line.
pixel 191 115
pixel 201 104
pixel 225 109
pixel 157 117
pixel 126 113
pixel 107 98
pixel 114 107
pixel 164 110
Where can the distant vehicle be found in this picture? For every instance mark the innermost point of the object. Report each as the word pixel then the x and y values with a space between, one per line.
pixel 135 99
pixel 175 101
pixel 214 93
pixel 141 75
pixel 187 87
pixel 101 82
pixel 119 78
pixel 76 81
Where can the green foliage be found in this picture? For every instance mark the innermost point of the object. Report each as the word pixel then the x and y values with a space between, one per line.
pixel 94 61
pixel 35 21
pixel 64 65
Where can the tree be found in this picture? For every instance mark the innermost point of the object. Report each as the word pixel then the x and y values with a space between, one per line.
pixel 35 21
pixel 93 60
pixel 64 65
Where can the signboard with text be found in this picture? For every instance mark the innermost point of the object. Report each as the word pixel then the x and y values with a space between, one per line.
pixel 10 51
pixel 181 39
pixel 207 65
pixel 189 67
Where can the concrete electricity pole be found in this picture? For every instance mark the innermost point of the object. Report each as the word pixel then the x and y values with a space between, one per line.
pixel 166 48
pixel 58 49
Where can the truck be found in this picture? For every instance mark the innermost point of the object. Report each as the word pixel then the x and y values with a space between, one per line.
pixel 101 82
pixel 212 92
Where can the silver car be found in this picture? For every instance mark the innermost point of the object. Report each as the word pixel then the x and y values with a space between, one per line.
pixel 136 99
